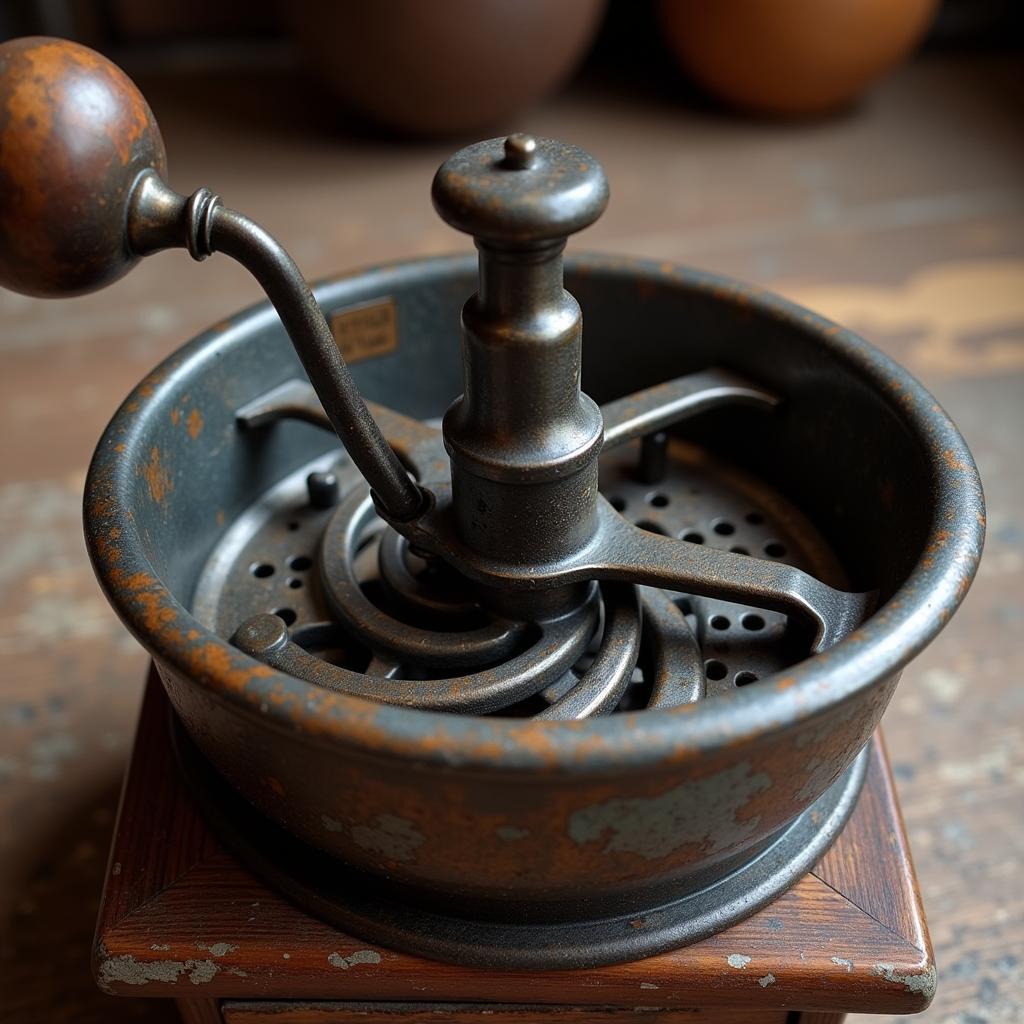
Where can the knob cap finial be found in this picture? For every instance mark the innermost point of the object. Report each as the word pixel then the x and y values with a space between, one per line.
pixel 520 190
pixel 75 134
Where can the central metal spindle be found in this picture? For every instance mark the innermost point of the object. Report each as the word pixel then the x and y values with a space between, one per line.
pixel 523 439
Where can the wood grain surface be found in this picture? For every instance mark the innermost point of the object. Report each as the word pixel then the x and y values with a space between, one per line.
pixel 239 1012
pixel 904 218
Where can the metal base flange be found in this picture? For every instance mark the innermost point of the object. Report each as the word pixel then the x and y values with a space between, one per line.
pixel 388 913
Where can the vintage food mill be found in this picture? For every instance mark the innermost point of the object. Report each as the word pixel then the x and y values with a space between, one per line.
pixel 504 645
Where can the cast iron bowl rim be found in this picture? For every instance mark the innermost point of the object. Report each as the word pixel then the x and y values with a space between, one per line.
pixel 641 740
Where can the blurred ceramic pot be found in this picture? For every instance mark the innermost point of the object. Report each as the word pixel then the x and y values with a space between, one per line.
pixel 443 68
pixel 792 57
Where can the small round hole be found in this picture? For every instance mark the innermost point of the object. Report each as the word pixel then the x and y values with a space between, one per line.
pixel 294 582
pixel 694 537
pixel 745 678
pixel 617 502
pixel 715 669
pixel 752 622
pixel 754 518
pixel 293 526
pixel 719 622
pixel 286 615
pixel 658 500
pixel 739 549
pixel 300 563
pixel 261 569
pixel 774 549
pixel 646 524
pixel 723 527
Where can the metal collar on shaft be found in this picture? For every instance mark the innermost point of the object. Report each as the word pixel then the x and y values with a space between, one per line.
pixel 523 439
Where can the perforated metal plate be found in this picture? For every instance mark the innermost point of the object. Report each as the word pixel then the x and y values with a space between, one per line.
pixel 267 562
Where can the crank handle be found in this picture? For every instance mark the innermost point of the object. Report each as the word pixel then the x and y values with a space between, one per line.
pixel 83 166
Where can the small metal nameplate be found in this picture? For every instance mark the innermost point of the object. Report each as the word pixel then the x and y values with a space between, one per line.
pixel 366 331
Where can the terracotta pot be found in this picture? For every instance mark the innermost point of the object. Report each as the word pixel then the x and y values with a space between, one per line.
pixel 792 56
pixel 442 68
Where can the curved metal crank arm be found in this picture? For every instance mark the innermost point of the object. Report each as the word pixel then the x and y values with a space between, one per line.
pixel 658 407
pixel 623 552
pixel 86 148
pixel 643 557
pixel 416 443
pixel 159 218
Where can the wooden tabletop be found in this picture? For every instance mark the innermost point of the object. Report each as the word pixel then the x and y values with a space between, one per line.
pixel 903 218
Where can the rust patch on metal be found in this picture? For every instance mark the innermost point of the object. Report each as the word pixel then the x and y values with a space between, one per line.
pixel 194 424
pixel 952 460
pixel 939 540
pixel 157 477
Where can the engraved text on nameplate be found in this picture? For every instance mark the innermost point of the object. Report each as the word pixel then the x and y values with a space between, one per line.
pixel 366 331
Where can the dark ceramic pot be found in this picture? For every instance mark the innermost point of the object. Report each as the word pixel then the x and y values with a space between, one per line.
pixel 443 69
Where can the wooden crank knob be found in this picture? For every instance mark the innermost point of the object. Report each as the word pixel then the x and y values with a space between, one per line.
pixel 75 136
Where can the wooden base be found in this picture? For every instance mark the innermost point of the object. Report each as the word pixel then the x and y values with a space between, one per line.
pixel 181 918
